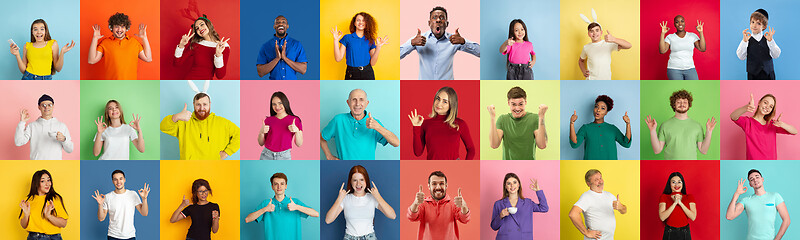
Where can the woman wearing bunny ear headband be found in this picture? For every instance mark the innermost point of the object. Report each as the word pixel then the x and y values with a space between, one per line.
pixel 201 134
pixel 113 133
pixel 207 53
pixel 681 45
pixel 512 215
pixel 359 198
pixel 595 60
pixel 761 129
pixel 280 129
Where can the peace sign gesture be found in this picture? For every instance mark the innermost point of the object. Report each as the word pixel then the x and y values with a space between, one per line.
pixel 221 45
pixel 699 26
pixel 416 120
pixel 186 38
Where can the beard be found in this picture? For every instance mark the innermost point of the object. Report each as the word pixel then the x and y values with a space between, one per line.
pixel 438 198
pixel 202 115
pixel 681 111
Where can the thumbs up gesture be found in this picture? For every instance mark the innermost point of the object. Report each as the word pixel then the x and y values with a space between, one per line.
pixel 777 122
pixel 751 105
pixel 371 122
pixel 291 206
pixel 456 38
pixel 610 38
pixel 617 205
pixel 420 197
pixel 460 203
pixel 626 118
pixel 184 115
pixel 293 127
pixel 418 40
pixel 185 202
pixel 270 207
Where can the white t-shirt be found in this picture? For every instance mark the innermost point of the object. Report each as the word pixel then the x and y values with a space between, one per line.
pixel 681 51
pixel 598 213
pixel 121 208
pixel 359 213
pixel 117 142
pixel 598 57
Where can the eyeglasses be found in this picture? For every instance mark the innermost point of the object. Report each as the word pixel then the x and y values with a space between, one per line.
pixel 46 105
pixel 439 17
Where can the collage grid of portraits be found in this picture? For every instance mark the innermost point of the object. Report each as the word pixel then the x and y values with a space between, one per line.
pixel 686 150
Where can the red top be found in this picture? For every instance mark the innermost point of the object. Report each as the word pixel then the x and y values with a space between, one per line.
pixel 441 139
pixel 201 60
pixel 678 218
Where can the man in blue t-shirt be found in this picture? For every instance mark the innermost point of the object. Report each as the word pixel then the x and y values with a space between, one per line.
pixel 282 57
pixel 280 214
pixel 761 208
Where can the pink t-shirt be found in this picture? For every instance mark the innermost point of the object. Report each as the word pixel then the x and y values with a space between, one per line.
pixel 279 138
pixel 760 140
pixel 520 53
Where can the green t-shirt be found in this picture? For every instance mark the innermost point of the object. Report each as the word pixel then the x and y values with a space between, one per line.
pixel 600 141
pixel 680 138
pixel 519 143
pixel 761 213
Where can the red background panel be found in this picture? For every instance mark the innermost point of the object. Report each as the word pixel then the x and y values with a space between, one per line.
pixel 98 12
pixel 654 65
pixel 701 180
pixel 224 15
pixel 420 94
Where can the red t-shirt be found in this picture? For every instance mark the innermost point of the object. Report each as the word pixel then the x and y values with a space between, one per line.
pixel 678 218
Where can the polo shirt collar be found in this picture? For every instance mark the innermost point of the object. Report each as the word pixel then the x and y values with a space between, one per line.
pixel 430 34
pixel 363 120
pixel 117 39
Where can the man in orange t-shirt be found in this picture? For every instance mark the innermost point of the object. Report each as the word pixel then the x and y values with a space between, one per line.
pixel 119 49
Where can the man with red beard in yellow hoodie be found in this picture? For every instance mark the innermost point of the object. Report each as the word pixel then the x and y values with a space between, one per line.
pixel 202 135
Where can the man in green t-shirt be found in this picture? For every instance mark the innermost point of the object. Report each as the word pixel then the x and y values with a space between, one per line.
pixel 679 135
pixel 519 129
pixel 761 208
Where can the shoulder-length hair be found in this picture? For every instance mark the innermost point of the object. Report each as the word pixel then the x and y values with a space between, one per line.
pixel 452 114
pixel 370 26
pixel 108 118
pixel 505 191
pixel 668 189
pixel 357 169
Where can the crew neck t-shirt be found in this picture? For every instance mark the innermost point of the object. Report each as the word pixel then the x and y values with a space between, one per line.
pixel 121 210
pixel 37 223
pixel 520 52
pixel 680 138
pixel 279 138
pixel 201 220
pixel 598 59
pixel 519 143
pixel 761 213
pixel 598 213
pixel 678 217
pixel 116 142
pixel 760 139
pixel 681 50
pixel 359 213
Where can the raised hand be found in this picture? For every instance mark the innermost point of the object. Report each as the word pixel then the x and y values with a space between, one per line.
pixel 14 49
pixel 293 127
pixel 617 204
pixel 699 26
pixel 459 200
pixel 751 105
pixel 664 28
pixel 342 192
pixel 745 35
pixel 574 117
pixel 510 42
pixel 96 32
pixel 184 115
pixel 186 38
pixel 609 37
pixel 291 206
pixel 25 206
pixel 740 188
pixel 283 51
pixel 68 47
pixel 221 44
pixel 420 197
pixel 769 34
pixel 143 192
pixel 135 123
pixel 777 122
pixel 534 184
pixel 626 118
pixel 270 207
pixel 416 119
pixel 60 137
pixel 374 190
pixel 492 112
pixel 710 124
pixel 542 110
pixel 456 38
pixel 371 122
pixel 142 31
pixel 214 214
pixel 101 125
pixel 24 116
pixel 336 33
pixel 186 202
pixel 264 129
pixel 101 198
pixel 382 41
pixel 651 123
pixel 278 51
pixel 419 40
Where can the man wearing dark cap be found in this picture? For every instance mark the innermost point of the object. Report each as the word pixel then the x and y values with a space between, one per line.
pixel 47 135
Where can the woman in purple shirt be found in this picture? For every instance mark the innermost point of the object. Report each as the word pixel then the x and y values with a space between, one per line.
pixel 512 216
pixel 279 130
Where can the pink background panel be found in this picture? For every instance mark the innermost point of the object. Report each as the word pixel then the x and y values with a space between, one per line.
pixel 734 94
pixel 464 14
pixel 545 225
pixel 304 99
pixel 17 95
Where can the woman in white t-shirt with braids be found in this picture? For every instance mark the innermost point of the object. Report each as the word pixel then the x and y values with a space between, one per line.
pixel 113 133
pixel 359 199
pixel 681 45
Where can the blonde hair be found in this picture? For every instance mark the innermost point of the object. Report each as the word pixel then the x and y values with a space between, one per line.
pixel 452 114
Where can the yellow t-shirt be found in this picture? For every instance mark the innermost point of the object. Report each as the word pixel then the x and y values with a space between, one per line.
pixel 37 223
pixel 40 60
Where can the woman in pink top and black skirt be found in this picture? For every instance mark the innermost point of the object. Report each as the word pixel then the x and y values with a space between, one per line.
pixel 443 130
pixel 280 129
pixel 762 128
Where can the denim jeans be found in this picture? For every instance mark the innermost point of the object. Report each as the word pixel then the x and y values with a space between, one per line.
pixel 370 236
pixel 42 236
pixel 31 76
pixel 267 154
pixel 688 74
pixel 673 233
pixel 519 72
pixel 113 238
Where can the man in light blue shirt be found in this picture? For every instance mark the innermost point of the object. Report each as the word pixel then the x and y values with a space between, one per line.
pixel 356 132
pixel 436 47
pixel 761 208
pixel 280 214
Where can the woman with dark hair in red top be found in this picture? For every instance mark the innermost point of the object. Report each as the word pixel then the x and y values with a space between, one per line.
pixel 441 132
pixel 207 54
pixel 676 208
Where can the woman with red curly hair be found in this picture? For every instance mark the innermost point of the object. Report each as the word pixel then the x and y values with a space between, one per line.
pixel 598 134
pixel 361 47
